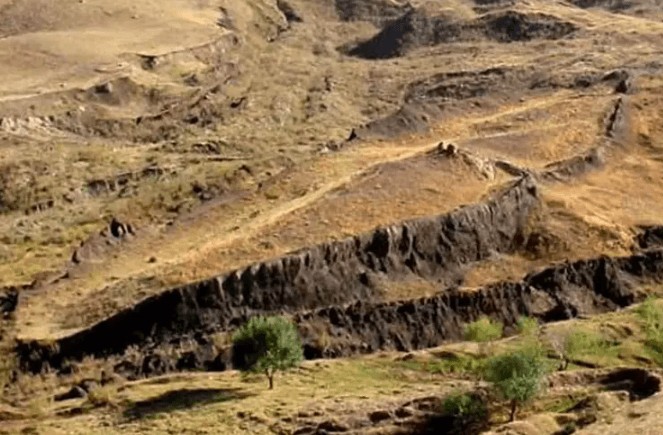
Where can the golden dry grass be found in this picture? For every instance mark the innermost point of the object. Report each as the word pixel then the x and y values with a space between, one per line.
pixel 307 197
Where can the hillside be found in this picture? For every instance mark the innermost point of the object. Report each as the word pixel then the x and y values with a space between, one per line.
pixel 382 172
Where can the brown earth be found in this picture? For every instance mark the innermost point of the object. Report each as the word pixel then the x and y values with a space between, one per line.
pixel 169 168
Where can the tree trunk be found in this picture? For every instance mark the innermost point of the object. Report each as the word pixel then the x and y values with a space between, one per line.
pixel 514 408
pixel 270 376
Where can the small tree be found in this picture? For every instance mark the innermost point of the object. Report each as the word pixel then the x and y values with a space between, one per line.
pixel 518 376
pixel 483 331
pixel 266 345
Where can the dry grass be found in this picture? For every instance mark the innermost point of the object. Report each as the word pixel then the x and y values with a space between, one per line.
pixel 230 402
pixel 315 197
pixel 305 197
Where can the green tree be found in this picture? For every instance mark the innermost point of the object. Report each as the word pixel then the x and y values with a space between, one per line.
pixel 483 331
pixel 267 345
pixel 517 375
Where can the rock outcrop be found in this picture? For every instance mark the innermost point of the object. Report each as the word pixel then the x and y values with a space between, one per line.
pixel 560 292
pixel 329 274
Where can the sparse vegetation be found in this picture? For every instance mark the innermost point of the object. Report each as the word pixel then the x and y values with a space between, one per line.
pixel 101 396
pixel 528 326
pixel 460 364
pixel 483 331
pixel 517 376
pixel 572 346
pixel 469 412
pixel 242 144
pixel 267 345
pixel 650 314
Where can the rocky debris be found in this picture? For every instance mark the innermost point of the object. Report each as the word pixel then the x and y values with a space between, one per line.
pixel 616 120
pixel 448 150
pixel 288 12
pixel 378 12
pixel 639 383
pixel 425 27
pixel 611 5
pixel 124 183
pixel 93 247
pixel 650 237
pixel 85 386
pixel 379 416
pixel 78 391
pixel 511 26
pixel 8 301
pixel 420 415
pixel 573 167
pixel 331 426
pixel 485 167
pixel 328 274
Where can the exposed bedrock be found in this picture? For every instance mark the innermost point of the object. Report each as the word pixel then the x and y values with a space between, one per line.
pixel 328 274
pixel 650 237
pixel 560 292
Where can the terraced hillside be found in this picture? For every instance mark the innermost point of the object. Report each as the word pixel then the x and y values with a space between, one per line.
pixel 381 172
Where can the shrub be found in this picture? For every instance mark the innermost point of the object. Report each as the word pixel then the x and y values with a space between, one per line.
pixel 483 331
pixel 518 376
pixel 266 345
pixel 650 314
pixel 469 412
pixel 583 343
pixel 103 396
pixel 527 326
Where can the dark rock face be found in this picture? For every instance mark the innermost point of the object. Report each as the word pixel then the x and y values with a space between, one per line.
pixel 616 121
pixel 513 26
pixel 420 27
pixel 640 383
pixel 8 301
pixel 288 12
pixel 378 12
pixel 329 274
pixel 611 5
pixel 574 166
pixel 416 28
pixel 650 237
pixel 560 292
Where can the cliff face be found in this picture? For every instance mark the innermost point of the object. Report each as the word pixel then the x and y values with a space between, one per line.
pixel 329 274
pixel 561 292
